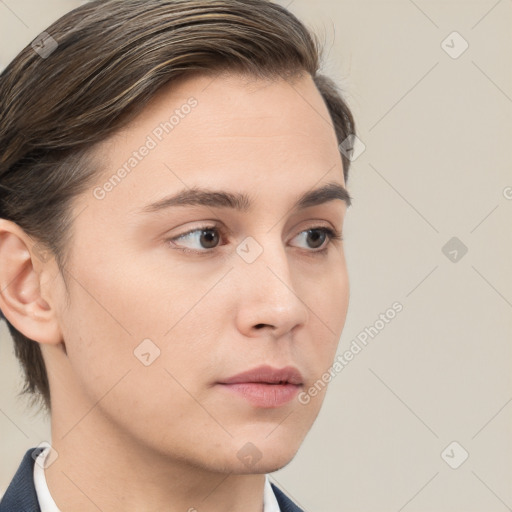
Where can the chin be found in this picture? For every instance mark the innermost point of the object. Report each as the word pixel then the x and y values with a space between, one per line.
pixel 271 467
pixel 265 459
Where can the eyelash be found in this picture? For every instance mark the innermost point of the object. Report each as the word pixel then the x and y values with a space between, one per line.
pixel 333 236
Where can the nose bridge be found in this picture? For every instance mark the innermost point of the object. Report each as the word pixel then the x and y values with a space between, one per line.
pixel 268 296
pixel 265 262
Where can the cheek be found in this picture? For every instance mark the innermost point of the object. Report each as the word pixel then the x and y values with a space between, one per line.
pixel 109 376
pixel 97 349
pixel 339 299
pixel 121 312
pixel 97 326
pixel 327 296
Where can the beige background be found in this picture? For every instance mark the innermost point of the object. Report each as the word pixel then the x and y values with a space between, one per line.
pixel 437 165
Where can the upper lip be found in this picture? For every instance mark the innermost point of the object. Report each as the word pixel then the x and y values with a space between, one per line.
pixel 267 374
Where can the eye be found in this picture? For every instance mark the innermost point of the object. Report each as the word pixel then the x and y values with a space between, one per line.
pixel 318 237
pixel 206 239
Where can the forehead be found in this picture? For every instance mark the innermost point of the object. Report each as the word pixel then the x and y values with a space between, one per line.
pixel 228 131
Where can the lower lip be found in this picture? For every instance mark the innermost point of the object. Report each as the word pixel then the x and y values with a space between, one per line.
pixel 264 395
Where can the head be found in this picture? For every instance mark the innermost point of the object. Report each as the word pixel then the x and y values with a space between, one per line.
pixel 152 238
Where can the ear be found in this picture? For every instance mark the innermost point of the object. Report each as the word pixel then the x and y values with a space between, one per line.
pixel 23 265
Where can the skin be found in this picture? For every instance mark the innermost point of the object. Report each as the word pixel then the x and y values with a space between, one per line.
pixel 165 437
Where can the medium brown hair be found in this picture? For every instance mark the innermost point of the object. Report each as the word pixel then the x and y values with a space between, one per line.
pixel 112 56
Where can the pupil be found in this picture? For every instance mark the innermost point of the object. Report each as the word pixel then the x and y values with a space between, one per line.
pixel 210 237
pixel 320 235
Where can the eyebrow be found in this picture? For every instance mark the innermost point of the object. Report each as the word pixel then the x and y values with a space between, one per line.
pixel 196 196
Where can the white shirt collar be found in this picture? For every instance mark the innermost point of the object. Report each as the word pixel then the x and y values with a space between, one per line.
pixel 44 497
pixel 269 498
pixel 47 504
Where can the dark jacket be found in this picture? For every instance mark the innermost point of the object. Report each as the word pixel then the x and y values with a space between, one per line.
pixel 21 495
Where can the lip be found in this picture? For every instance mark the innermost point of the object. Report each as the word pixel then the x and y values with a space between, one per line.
pixel 264 386
pixel 267 375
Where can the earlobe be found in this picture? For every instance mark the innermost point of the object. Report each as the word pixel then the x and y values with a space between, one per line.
pixel 21 301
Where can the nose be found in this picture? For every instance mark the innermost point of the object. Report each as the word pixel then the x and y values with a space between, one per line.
pixel 268 300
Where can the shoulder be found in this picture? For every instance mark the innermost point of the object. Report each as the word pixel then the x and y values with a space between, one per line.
pixel 21 493
pixel 285 503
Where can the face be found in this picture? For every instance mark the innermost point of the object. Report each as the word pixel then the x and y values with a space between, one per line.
pixel 171 299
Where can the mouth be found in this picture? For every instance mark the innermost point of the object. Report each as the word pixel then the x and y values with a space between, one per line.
pixel 264 386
